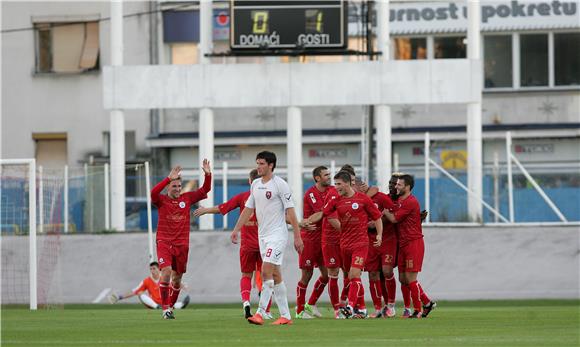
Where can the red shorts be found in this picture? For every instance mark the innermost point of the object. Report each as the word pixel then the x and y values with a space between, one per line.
pixel 311 256
pixel 410 258
pixel 391 247
pixel 354 257
pixel 375 256
pixel 250 260
pixel 172 255
pixel 331 255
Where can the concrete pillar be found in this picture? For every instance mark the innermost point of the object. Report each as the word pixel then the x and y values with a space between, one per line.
pixel 294 149
pixel 206 116
pixel 117 126
pixel 474 122
pixel 383 112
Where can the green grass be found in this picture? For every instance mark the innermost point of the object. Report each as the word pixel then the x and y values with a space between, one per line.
pixel 473 323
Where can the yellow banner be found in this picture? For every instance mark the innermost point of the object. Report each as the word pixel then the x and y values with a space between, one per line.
pixel 454 160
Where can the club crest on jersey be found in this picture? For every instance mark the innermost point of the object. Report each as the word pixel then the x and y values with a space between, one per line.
pixel 182 204
pixel 332 260
pixel 355 206
pixel 268 194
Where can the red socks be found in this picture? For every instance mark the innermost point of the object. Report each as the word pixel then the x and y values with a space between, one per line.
pixel 424 298
pixel 245 288
pixel 318 290
pixel 333 292
pixel 345 289
pixel 165 297
pixel 391 285
pixel 415 295
pixel 300 297
pixel 173 294
pixel 376 294
pixel 406 291
pixel 353 292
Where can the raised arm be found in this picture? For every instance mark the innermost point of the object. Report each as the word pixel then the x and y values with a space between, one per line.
pixel 207 179
pixel 156 191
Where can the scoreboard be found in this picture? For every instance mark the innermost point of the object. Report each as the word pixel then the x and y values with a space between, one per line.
pixel 291 24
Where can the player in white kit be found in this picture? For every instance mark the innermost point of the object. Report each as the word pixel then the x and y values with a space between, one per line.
pixel 271 198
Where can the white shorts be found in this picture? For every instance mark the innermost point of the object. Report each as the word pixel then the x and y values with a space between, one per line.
pixel 272 250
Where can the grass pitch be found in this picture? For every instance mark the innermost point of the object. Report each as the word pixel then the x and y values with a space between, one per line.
pixel 472 323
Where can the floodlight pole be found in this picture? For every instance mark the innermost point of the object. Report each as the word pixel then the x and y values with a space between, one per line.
pixel 294 153
pixel 383 112
pixel 206 115
pixel 474 123
pixel 117 126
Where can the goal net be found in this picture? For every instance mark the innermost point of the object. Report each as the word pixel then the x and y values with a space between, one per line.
pixel 31 221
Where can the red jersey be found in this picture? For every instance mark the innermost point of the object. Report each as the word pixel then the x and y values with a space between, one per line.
pixel 151 286
pixel 174 214
pixel 313 203
pixel 249 233
pixel 383 201
pixel 330 236
pixel 408 215
pixel 354 214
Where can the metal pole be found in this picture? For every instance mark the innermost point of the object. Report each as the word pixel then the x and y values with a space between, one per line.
pixel 225 191
pixel 427 154
pixel 65 192
pixel 332 171
pixel 383 119
pixel 294 150
pixel 206 150
pixel 474 121
pixel 107 198
pixel 149 218
pixel 508 147
pixel 32 233
pixel 539 190
pixel 117 126
pixel 40 200
pixel 496 183
pixel 395 162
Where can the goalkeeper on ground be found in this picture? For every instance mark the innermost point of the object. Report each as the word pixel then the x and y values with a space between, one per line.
pixel 148 291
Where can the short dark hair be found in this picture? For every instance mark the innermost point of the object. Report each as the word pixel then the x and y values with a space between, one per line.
pixel 348 168
pixel 408 179
pixel 253 174
pixel 318 171
pixel 344 176
pixel 269 157
pixel 153 263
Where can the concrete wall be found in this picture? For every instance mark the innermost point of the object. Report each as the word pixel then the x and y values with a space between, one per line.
pixel 63 102
pixel 460 263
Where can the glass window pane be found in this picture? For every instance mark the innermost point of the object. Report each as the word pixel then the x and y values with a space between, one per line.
pixel 410 48
pixel 567 59
pixel 450 47
pixel 534 60
pixel 498 61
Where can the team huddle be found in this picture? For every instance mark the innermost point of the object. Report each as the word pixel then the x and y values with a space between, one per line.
pixel 348 227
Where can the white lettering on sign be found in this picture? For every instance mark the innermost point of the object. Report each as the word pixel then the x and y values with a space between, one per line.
pixel 313 39
pixel 260 40
pixel 539 148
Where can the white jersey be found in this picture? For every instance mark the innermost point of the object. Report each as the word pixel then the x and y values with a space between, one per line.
pixel 270 200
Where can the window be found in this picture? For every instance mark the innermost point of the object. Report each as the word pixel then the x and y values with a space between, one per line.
pixel 498 61
pixel 67 47
pixel 567 59
pixel 410 48
pixel 450 47
pixel 130 145
pixel 534 60
pixel 184 53
pixel 50 149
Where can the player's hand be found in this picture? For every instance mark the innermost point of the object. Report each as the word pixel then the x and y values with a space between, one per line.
pixel 298 245
pixel 175 173
pixel 206 167
pixel 306 225
pixel 379 240
pixel 200 212
pixel 113 298
pixel 234 236
pixel 424 215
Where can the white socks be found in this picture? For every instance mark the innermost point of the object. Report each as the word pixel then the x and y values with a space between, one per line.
pixel 267 289
pixel 281 300
pixel 147 301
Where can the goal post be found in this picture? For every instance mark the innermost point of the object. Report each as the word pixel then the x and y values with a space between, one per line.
pixel 31 221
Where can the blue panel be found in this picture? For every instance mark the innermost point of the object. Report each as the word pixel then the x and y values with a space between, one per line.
pixel 180 26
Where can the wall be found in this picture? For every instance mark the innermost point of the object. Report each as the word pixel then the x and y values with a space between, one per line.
pixel 460 263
